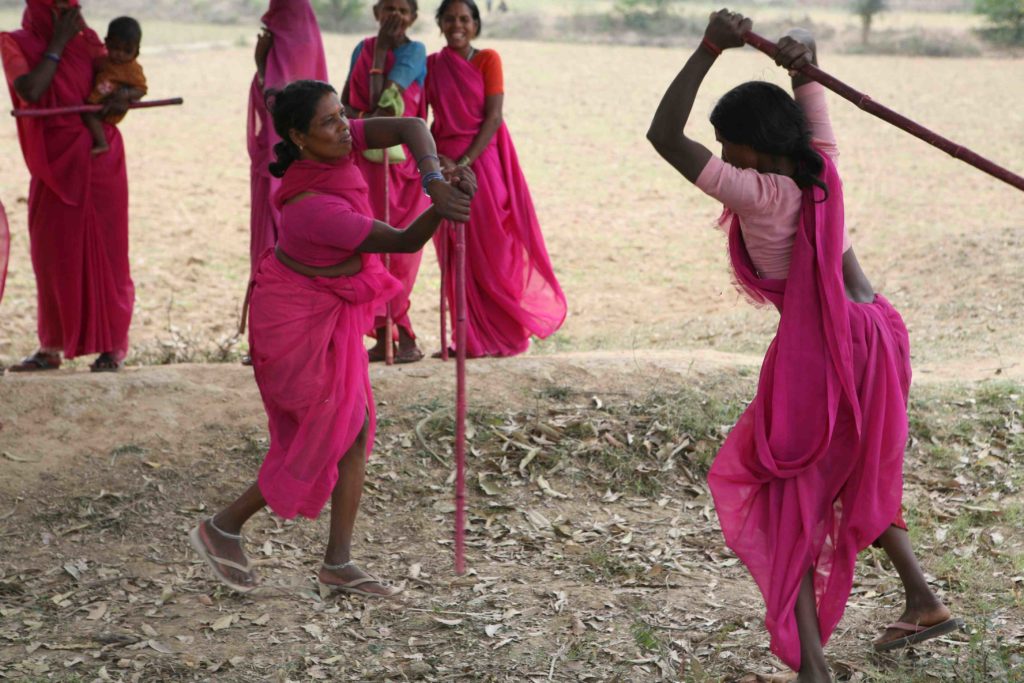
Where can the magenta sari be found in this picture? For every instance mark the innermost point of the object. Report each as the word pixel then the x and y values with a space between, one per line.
pixel 77 204
pixel 406 199
pixel 813 471
pixel 511 289
pixel 297 53
pixel 306 342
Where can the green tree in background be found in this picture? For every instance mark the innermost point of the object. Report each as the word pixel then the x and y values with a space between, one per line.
pixel 866 10
pixel 1005 14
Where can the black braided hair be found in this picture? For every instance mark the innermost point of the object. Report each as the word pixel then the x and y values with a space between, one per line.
pixel 473 10
pixel 293 108
pixel 768 119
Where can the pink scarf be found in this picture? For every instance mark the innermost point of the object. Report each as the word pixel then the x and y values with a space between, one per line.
pixel 511 289
pixel 340 178
pixel 812 472
pixel 297 53
pixel 78 203
pixel 405 201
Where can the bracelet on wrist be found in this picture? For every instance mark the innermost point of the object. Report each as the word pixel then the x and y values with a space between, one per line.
pixel 431 177
pixel 463 160
pixel 710 47
pixel 52 56
pixel 374 72
pixel 419 162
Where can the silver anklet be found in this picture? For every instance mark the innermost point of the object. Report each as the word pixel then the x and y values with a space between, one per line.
pixel 337 567
pixel 236 537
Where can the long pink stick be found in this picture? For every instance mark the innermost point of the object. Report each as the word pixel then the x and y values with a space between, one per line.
pixel 902 122
pixel 85 108
pixel 389 323
pixel 460 398
pixel 442 261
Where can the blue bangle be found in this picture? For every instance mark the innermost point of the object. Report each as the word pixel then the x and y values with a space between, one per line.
pixel 419 162
pixel 431 177
pixel 52 56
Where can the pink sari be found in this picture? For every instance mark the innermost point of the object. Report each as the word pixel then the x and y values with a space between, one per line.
pixel 78 203
pixel 297 53
pixel 813 471
pixel 405 193
pixel 306 341
pixel 511 288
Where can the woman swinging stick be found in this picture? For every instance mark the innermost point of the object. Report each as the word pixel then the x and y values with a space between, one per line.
pixel 812 472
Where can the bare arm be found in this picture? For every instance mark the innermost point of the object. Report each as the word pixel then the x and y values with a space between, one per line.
pixel 492 122
pixel 31 86
pixel 385 239
pixel 666 133
pixel 858 287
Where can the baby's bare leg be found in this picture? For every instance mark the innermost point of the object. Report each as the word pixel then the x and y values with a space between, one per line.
pixel 94 123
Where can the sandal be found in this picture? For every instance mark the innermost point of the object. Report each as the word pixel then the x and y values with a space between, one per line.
pixel 917 633
pixel 412 355
pixel 106 362
pixel 376 355
pixel 38 361
pixel 216 563
pixel 353 586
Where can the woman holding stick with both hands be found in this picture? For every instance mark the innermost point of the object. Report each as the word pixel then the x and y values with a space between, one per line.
pixel 812 472
pixel 313 299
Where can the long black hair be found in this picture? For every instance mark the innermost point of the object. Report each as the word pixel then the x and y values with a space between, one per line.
pixel 293 108
pixel 473 10
pixel 765 117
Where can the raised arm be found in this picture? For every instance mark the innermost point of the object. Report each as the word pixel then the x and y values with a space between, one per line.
pixel 725 30
pixel 31 86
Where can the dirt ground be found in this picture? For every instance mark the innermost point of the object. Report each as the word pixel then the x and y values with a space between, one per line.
pixel 594 550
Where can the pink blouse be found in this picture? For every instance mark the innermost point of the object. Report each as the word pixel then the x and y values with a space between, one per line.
pixel 323 229
pixel 768 204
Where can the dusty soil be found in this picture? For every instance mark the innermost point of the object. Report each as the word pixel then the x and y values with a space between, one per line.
pixel 593 548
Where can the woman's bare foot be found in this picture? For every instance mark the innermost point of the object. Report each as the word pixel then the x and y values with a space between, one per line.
pixel 814 675
pixel 337 576
pixel 931 615
pixel 408 351
pixel 223 545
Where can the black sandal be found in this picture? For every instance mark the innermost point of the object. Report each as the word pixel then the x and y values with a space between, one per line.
pixel 37 362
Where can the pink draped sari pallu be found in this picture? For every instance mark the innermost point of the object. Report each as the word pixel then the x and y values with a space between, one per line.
pixel 297 53
pixel 813 471
pixel 78 202
pixel 306 336
pixel 511 288
pixel 406 200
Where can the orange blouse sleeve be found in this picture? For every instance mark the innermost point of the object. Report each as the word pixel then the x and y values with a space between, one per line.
pixel 489 63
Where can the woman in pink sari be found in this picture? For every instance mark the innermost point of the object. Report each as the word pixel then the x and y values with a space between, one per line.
pixel 78 202
pixel 386 79
pixel 812 472
pixel 312 301
pixel 511 289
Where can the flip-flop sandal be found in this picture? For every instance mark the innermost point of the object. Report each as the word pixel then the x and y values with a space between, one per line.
pixel 413 355
pixel 918 633
pixel 353 586
pixel 216 563
pixel 37 362
pixel 375 356
pixel 110 365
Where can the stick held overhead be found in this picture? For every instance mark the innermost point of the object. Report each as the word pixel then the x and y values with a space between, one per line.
pixel 85 108
pixel 902 122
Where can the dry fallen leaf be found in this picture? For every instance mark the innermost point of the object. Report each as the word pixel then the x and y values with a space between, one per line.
pixel 223 623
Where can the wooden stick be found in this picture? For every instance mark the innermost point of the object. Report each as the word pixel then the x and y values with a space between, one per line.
pixel 442 261
pixel 389 323
pixel 460 398
pixel 85 108
pixel 902 122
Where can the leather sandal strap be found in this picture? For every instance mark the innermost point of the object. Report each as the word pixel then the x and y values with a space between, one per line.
pixel 246 568
pixel 904 626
